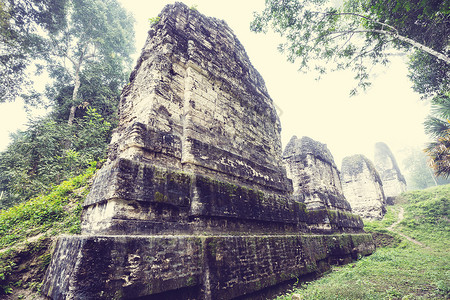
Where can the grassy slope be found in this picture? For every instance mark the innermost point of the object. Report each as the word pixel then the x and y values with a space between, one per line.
pixel 399 269
pixel 27 232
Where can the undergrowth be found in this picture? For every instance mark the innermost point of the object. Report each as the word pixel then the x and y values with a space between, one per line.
pixel 26 230
pixel 400 269
pixel 43 212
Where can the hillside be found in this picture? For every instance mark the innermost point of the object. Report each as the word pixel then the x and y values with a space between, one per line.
pixel 412 260
pixel 28 232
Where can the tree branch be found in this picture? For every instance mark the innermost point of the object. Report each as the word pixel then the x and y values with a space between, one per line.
pixel 413 43
pixel 367 18
pixel 394 33
pixel 405 39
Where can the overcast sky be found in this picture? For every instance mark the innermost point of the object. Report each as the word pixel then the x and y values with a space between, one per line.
pixel 389 111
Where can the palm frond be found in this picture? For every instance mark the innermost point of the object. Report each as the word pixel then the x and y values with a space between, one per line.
pixel 436 127
pixel 439 154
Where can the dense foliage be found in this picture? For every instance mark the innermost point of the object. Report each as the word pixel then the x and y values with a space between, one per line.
pixel 87 53
pixel 26 232
pixel 437 125
pixel 418 173
pixel 36 159
pixel 439 153
pixel 357 34
pixel 22 24
pixel 91 51
pixel 42 212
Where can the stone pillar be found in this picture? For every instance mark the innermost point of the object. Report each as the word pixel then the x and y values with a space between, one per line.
pixel 193 202
pixel 363 187
pixel 394 182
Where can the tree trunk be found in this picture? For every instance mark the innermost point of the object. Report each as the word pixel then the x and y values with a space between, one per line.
pixel 77 84
pixel 73 108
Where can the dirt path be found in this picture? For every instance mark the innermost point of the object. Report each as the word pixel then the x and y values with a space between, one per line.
pixel 400 218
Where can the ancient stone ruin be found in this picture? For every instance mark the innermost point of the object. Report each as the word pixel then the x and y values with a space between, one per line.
pixel 394 182
pixel 363 187
pixel 315 177
pixel 194 202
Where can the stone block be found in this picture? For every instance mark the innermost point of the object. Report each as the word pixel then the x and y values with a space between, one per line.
pixel 314 174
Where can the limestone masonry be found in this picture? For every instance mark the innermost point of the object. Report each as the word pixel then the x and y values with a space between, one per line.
pixel 194 201
pixel 315 176
pixel 363 187
pixel 393 181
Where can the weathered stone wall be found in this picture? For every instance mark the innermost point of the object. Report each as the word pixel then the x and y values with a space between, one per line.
pixel 315 176
pixel 194 201
pixel 394 182
pixel 363 187
pixel 146 199
pixel 191 267
pixel 196 103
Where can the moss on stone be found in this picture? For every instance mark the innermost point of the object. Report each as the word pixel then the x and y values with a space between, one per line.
pixel 159 197
pixel 191 281
pixel 212 246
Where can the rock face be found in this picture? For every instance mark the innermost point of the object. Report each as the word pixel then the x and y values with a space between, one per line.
pixel 194 201
pixel 363 187
pixel 394 182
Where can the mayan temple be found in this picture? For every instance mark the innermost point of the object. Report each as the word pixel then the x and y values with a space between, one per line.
pixel 193 201
pixel 363 187
pixel 394 182
pixel 317 183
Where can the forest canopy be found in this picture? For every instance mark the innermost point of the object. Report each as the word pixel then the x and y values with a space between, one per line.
pixel 85 47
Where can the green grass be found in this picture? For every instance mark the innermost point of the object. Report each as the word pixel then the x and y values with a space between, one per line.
pixel 390 273
pixel 58 210
pixel 380 226
pixel 400 270
pixel 427 216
